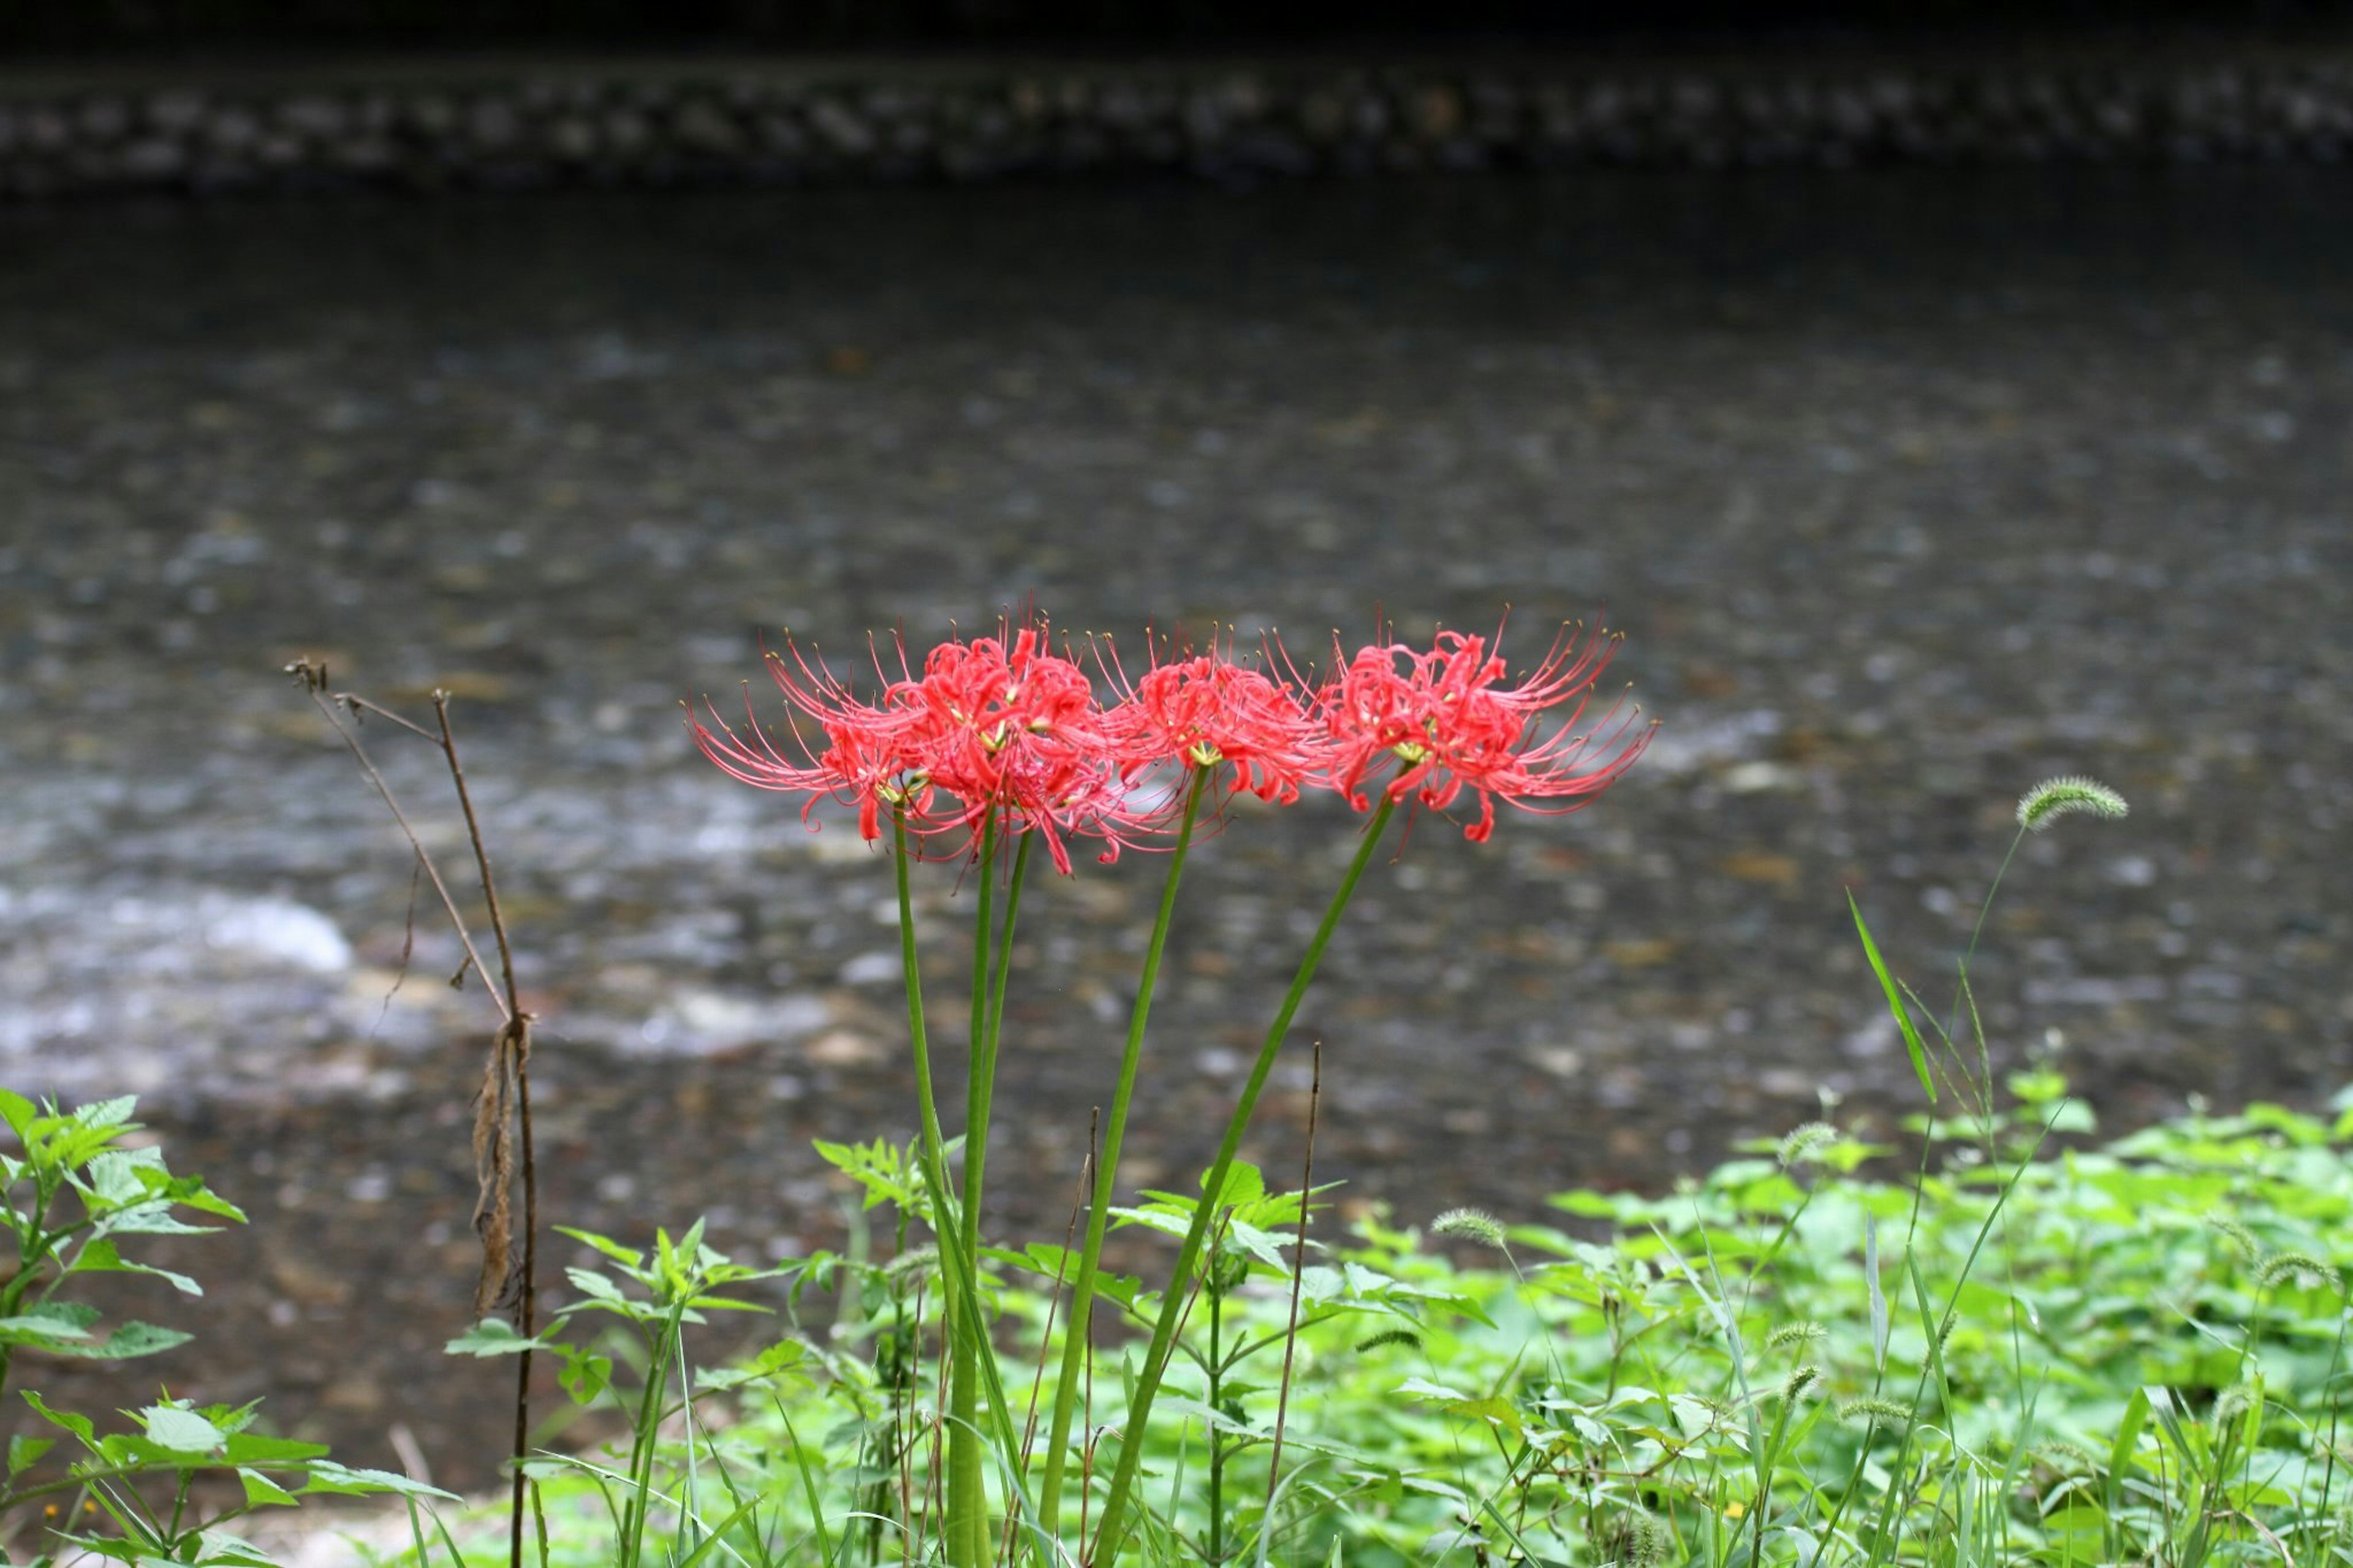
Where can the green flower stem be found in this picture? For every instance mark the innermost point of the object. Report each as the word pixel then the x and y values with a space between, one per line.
pixel 934 1161
pixel 968 1485
pixel 954 1279
pixel 1172 1303
pixel 1082 1284
pixel 981 1093
pixel 969 1507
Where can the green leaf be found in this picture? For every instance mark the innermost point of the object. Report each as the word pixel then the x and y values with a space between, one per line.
pixel 62 1320
pixel 784 1356
pixel 181 1429
pixel 260 1492
pixel 324 1476
pixel 24 1452
pixel 79 1426
pixel 18 1112
pixel 101 1257
pixel 1919 1053
pixel 605 1245
pixel 252 1448
pixel 112 1115
pixel 129 1340
pixel 584 1375
pixel 492 1336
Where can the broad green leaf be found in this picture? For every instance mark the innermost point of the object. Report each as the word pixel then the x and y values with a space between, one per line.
pixel 182 1430
pixel 24 1452
pixel 101 1257
pixel 327 1477
pixel 253 1449
pixel 584 1375
pixel 260 1492
pixel 129 1340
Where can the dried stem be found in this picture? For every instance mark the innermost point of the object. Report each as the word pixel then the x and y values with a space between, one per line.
pixel 506 1089
pixel 314 683
pixel 1298 1274
pixel 514 1053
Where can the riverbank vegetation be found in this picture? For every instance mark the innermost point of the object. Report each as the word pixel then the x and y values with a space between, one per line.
pixel 2002 1341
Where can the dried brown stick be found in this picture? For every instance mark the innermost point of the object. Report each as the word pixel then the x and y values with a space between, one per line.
pixel 314 683
pixel 505 1097
pixel 449 743
pixel 514 1054
pixel 1298 1274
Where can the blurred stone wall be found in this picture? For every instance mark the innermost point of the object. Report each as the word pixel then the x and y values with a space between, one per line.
pixel 425 125
pixel 180 26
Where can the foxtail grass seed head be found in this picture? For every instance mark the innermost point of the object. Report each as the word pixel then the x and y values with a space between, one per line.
pixel 2067 1458
pixel 1404 1337
pixel 1805 1143
pixel 1885 1412
pixel 1470 1224
pixel 2052 799
pixel 2306 1270
pixel 1639 1539
pixel 1801 1381
pixel 1799 1334
pixel 2233 1402
pixel 2238 1235
pixel 915 1263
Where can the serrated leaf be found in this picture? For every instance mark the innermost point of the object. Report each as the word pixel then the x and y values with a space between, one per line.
pixel 252 1448
pixel 129 1341
pixel 584 1375
pixel 327 1477
pixel 24 1452
pixel 41 1329
pixel 79 1425
pixel 181 1430
pixel 260 1492
pixel 101 1257
pixel 112 1114
pixel 150 1218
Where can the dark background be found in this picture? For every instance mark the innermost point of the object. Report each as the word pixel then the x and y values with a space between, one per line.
pixel 151 28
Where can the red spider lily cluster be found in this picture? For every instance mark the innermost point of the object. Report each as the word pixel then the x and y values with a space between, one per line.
pixel 1004 729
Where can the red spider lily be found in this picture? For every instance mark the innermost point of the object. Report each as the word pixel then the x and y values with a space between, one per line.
pixel 996 727
pixel 1441 719
pixel 872 756
pixel 1209 712
pixel 1013 728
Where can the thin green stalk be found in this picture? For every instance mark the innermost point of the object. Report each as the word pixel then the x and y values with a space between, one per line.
pixel 1110 1532
pixel 934 1161
pixel 953 1276
pixel 1217 1553
pixel 1082 1284
pixel 1961 986
pixel 968 1485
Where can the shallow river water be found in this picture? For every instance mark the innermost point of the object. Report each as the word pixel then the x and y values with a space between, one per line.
pixel 1908 487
